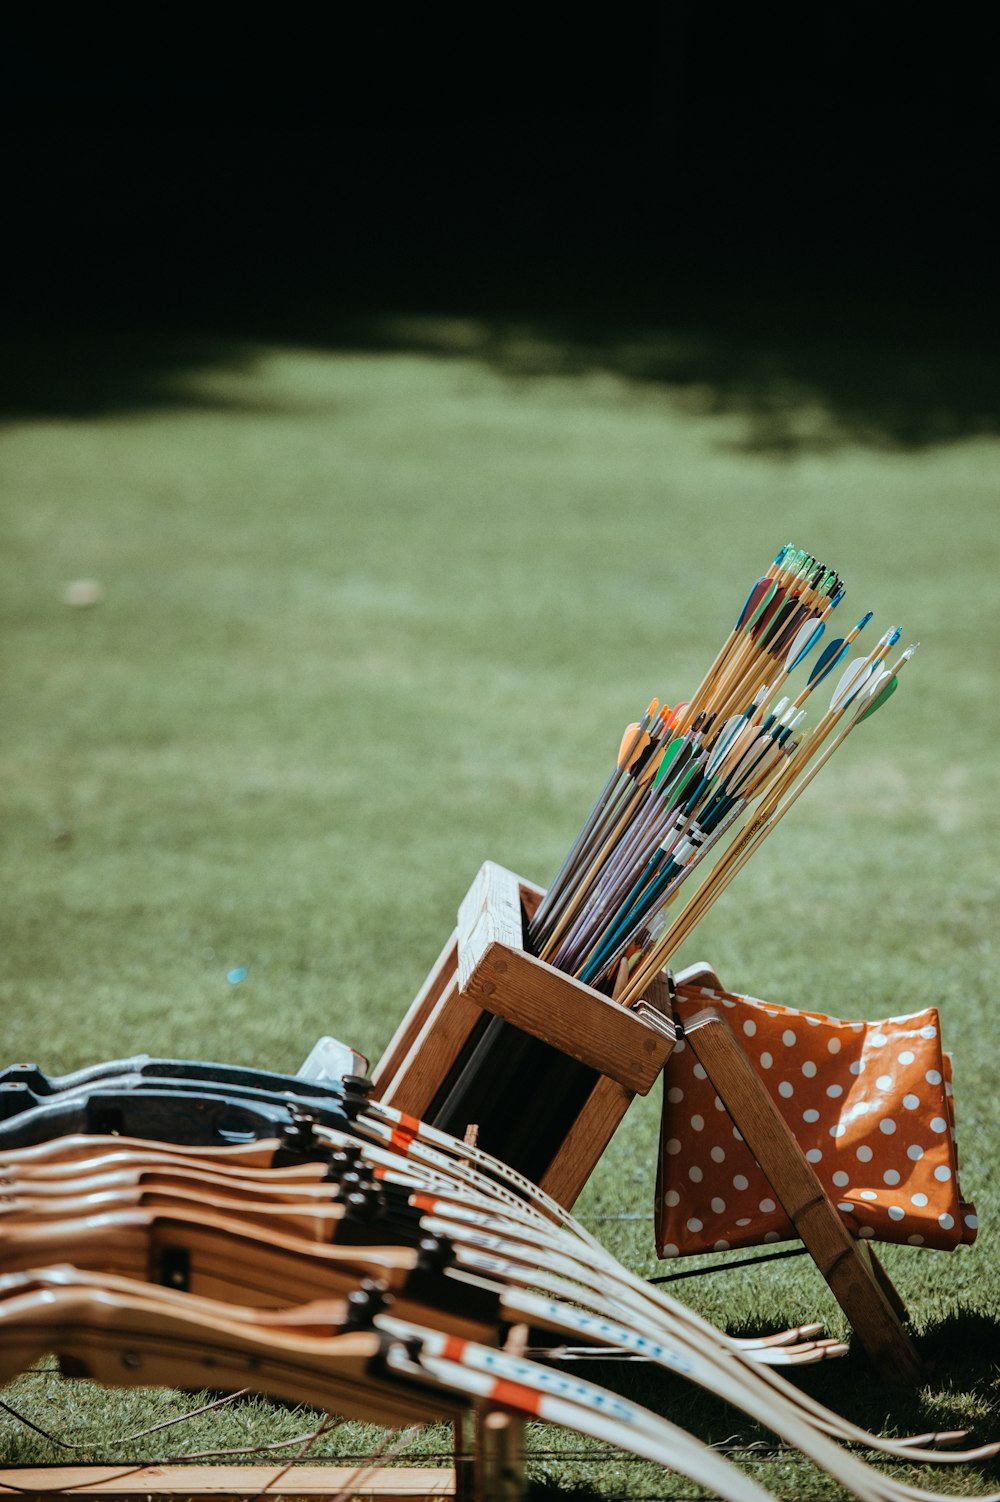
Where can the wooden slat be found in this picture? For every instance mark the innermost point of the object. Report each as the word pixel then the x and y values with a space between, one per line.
pixel 843 1263
pixel 578 1021
pixel 490 914
pixel 496 973
pixel 433 1052
pixel 407 1484
pixel 431 1037
pixel 586 1140
pixel 413 1020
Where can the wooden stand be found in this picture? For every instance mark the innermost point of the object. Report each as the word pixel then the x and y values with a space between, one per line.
pixel 485 967
pixel 857 1279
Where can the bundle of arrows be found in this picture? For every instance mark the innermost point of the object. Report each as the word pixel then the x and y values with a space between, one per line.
pixel 194 1224
pixel 711 778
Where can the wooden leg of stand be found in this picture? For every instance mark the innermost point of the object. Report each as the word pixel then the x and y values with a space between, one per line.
pixel 499 1459
pixel 414 1019
pixel 844 1263
pixel 433 1052
pixel 465 1443
pixel 500 1442
pixel 586 1140
pixel 882 1278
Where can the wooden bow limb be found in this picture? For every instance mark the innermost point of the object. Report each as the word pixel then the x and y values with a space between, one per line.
pixel 224 1259
pixel 446 1161
pixel 320 1317
pixel 83 1147
pixel 462 1226
pixel 567 1287
pixel 310 1218
pixel 653 1303
pixel 530 1265
pixel 134 1341
pixel 720 1375
pixel 525 1263
pixel 259 1184
pixel 310 1316
pixel 502 1225
pixel 314 1224
pixel 690 1351
pixel 148 1319
pixel 414 1375
pixel 313 1221
pixel 239 1163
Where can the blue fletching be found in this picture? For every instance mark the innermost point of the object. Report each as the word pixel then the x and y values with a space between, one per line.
pixel 828 659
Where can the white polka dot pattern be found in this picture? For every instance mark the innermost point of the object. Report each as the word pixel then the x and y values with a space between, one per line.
pixel 869 1103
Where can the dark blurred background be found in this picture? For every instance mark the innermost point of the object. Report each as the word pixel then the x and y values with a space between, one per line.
pixel 811 197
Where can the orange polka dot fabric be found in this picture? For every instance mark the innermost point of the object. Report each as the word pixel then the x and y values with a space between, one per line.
pixel 870 1104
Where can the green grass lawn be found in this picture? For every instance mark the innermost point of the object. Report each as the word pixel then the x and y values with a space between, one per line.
pixel 372 617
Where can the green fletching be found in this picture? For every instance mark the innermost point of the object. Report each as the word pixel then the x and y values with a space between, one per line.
pixel 880 698
pixel 669 757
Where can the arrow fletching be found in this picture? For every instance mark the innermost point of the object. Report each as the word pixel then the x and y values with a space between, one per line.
pixel 753 599
pixel 873 693
pixel 828 659
pixel 632 746
pixel 722 745
pixel 886 690
pixel 852 681
pixel 803 642
pixel 765 600
pixel 669 757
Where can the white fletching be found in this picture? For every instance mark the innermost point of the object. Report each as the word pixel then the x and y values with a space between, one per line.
pixel 852 680
pixel 809 632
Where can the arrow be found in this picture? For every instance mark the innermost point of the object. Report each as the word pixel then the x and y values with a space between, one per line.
pixel 772 809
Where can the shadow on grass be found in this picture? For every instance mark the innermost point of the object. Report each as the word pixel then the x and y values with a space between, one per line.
pixel 799 374
pixel 80 373
pixel 963 1378
pixel 802 376
pixel 852 298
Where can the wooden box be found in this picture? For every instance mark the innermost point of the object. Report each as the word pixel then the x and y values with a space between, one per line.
pixel 486 967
